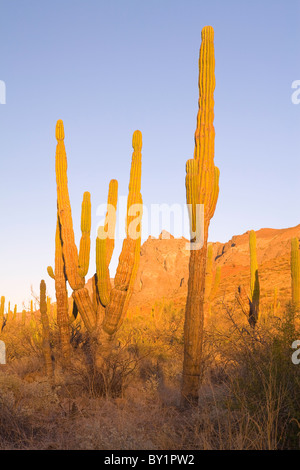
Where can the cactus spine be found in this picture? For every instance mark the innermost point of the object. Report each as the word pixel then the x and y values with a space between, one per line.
pixel 202 187
pixel 295 272
pixel 254 281
pixel 46 330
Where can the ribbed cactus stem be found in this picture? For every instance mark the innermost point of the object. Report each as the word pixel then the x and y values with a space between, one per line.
pixel 295 272
pixel 2 307
pixel 104 285
pixel 216 284
pixel 202 187
pixel 110 219
pixel 209 273
pixel 254 281
pixel 46 330
pixel 70 252
pixel 51 272
pixel 61 299
pixel 85 242
pixel 130 254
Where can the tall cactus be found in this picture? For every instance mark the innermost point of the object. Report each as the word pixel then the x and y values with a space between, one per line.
pixel 2 316
pixel 46 330
pixel 211 284
pixel 101 315
pixel 254 281
pixel 295 272
pixel 202 188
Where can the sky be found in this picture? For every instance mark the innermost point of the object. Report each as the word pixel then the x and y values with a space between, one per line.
pixel 108 68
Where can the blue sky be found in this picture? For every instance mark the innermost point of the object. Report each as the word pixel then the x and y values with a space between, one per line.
pixel 109 67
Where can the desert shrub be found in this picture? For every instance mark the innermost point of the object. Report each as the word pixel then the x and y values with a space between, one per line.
pixel 261 380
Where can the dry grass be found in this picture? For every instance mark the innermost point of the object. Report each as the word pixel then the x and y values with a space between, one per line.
pixel 248 399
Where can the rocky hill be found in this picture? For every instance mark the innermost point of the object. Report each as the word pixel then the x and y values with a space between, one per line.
pixel 163 271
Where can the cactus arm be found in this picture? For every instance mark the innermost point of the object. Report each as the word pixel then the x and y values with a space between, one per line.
pixel 85 308
pixel 130 254
pixel 105 243
pixel 110 219
pixel 70 252
pixel 85 242
pixel 254 281
pixel 104 284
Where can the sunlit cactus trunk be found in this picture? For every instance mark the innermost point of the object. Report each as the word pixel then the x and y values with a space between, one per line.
pixel 62 300
pixel 46 330
pixel 2 316
pixel 202 188
pixel 211 282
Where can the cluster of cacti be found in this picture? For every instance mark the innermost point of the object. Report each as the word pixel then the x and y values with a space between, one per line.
pixel 103 314
pixel 202 189
pixel 6 317
pixel 211 283
pixel 254 281
pixel 295 272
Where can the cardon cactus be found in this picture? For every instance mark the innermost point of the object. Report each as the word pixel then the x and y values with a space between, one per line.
pixel 2 316
pixel 46 330
pixel 102 315
pixel 202 189
pixel 61 298
pixel 254 281
pixel 211 283
pixel 295 272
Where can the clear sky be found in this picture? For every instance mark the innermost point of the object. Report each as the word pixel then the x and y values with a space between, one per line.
pixel 109 67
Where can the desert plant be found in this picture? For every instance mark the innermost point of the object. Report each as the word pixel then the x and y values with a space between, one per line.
pixel 103 314
pixel 202 188
pixel 211 283
pixel 2 316
pixel 254 281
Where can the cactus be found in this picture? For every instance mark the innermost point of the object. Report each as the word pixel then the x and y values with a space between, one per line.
pixel 254 281
pixel 46 330
pixel 202 187
pixel 103 314
pixel 295 272
pixel 9 313
pixel 61 298
pixel 211 286
pixel 2 316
